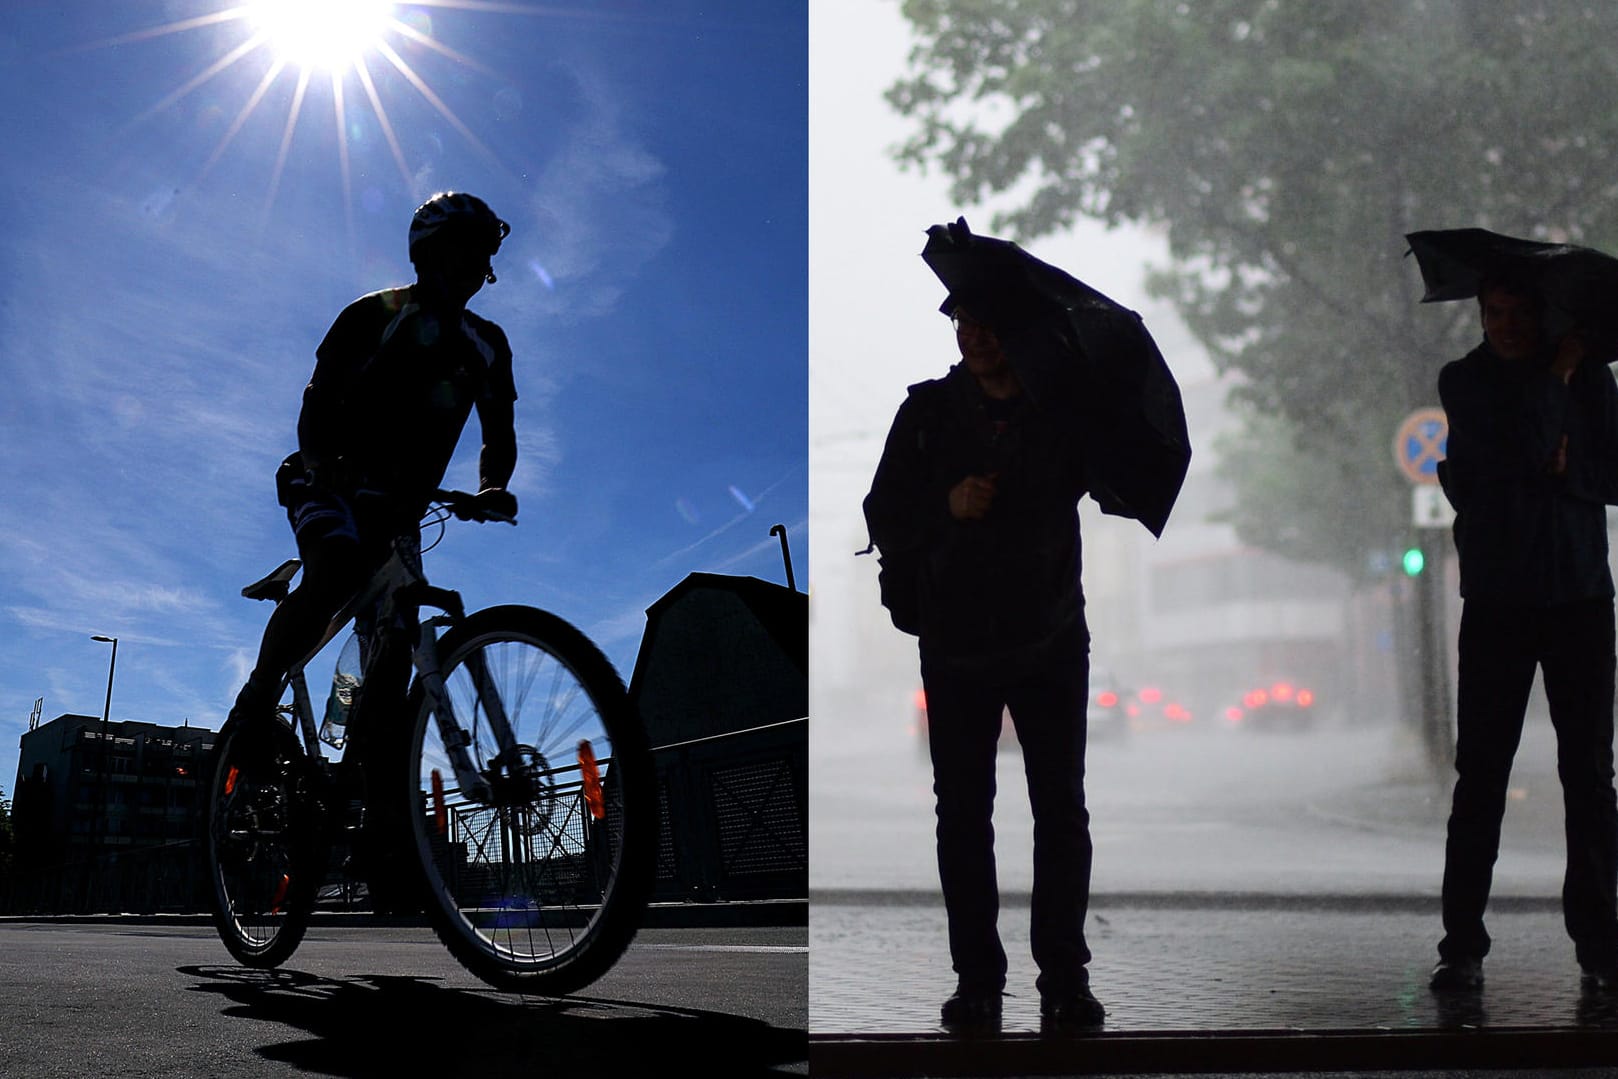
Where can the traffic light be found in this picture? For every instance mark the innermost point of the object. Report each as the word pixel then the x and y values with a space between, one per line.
pixel 1414 562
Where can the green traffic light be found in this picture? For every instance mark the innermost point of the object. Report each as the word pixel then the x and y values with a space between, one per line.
pixel 1414 562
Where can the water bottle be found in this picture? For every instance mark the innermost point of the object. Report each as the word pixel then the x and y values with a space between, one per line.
pixel 345 683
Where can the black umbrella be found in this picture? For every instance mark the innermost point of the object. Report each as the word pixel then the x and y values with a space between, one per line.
pixel 1578 284
pixel 1075 349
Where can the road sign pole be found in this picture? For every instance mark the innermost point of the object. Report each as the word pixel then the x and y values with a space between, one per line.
pixel 1433 660
pixel 1418 446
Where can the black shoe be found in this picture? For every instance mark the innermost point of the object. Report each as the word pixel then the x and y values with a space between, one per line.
pixel 1599 979
pixel 1070 1012
pixel 1452 975
pixel 972 1011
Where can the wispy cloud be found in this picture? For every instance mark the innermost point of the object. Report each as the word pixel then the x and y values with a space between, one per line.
pixel 601 205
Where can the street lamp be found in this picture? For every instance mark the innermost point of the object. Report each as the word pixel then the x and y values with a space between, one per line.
pixel 106 745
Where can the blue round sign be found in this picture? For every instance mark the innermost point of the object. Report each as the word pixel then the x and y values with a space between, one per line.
pixel 1419 444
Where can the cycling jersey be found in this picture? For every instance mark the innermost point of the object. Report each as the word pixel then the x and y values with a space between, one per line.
pixel 393 386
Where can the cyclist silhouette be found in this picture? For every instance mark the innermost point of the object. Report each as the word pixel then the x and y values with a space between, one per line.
pixel 395 380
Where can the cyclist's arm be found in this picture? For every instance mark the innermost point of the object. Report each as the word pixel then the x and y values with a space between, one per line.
pixel 498 458
pixel 496 408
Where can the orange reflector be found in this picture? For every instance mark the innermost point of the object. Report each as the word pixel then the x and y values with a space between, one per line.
pixel 230 779
pixel 440 814
pixel 591 777
pixel 280 894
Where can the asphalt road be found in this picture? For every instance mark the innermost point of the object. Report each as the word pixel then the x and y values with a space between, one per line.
pixel 143 1000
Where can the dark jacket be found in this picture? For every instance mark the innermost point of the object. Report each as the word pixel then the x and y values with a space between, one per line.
pixel 1526 536
pixel 1000 588
pixel 393 386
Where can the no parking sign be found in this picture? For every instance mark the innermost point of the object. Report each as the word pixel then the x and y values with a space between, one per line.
pixel 1418 445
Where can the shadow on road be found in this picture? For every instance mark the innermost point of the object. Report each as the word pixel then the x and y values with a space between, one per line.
pixel 371 1025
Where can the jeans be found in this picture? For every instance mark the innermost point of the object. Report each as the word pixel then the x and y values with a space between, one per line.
pixel 1500 645
pixel 963 727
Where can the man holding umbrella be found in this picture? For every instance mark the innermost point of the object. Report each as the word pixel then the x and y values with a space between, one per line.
pixel 975 501
pixel 1532 464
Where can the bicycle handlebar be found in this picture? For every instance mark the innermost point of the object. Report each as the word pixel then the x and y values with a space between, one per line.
pixel 464 506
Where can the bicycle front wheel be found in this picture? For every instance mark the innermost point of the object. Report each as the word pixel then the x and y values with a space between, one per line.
pixel 539 884
pixel 263 842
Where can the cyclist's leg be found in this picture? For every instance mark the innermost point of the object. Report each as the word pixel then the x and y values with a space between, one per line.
pixel 335 560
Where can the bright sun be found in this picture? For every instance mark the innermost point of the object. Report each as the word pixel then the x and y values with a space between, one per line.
pixel 324 34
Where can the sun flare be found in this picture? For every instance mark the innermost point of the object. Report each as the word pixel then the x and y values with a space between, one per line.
pixel 328 35
pixel 366 51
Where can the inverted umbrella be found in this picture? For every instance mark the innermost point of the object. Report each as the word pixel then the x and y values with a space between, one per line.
pixel 1077 350
pixel 1579 285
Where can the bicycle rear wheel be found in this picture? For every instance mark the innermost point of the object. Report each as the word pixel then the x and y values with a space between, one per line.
pixel 541 887
pixel 262 832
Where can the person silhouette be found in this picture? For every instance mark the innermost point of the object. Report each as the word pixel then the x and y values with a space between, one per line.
pixel 1532 463
pixel 395 380
pixel 977 491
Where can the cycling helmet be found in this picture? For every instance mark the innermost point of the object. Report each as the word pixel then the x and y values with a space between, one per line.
pixel 456 217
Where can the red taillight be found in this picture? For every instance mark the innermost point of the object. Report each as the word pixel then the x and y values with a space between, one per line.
pixel 1281 692
pixel 1177 712
pixel 1305 698
pixel 1150 695
pixel 1234 714
pixel 921 700
pixel 1107 699
pixel 230 779
pixel 1255 698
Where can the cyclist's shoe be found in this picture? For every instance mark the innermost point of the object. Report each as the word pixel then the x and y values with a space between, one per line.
pixel 260 730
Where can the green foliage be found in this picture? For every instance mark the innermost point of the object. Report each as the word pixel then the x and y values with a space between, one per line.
pixel 1285 149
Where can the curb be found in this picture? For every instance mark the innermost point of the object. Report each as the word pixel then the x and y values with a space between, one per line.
pixel 1177 1052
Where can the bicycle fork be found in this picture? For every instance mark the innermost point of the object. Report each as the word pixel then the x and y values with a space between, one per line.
pixel 455 737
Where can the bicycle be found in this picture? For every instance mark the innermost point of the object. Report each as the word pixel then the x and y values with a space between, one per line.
pixel 519 806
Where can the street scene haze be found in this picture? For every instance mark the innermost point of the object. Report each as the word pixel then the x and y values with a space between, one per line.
pixel 1272 706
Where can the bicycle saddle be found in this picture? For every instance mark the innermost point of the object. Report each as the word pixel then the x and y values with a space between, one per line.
pixel 275 585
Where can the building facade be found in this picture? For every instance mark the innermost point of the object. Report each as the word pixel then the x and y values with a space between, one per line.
pixel 106 815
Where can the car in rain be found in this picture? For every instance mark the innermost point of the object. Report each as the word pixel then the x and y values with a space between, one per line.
pixel 1107 715
pixel 1152 707
pixel 1279 705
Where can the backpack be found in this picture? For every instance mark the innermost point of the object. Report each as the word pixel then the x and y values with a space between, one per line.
pixel 898 579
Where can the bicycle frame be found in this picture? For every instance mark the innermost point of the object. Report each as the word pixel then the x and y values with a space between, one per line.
pixel 400 581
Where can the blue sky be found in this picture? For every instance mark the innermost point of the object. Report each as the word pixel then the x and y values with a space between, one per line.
pixel 166 270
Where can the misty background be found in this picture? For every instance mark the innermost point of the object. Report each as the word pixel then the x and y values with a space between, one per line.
pixel 1243 176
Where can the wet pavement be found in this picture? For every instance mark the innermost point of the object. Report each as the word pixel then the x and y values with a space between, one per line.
pixel 1200 982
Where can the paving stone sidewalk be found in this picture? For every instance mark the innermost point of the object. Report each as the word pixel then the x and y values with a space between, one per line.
pixel 879 965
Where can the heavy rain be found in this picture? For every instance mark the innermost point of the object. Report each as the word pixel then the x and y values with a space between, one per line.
pixel 1272 695
pixel 1272 704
